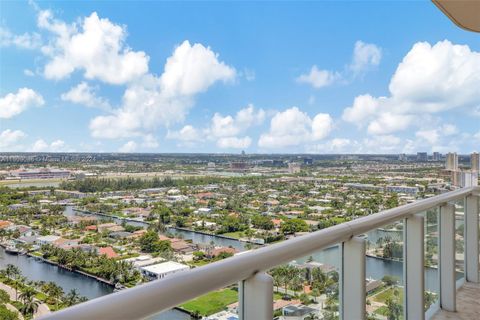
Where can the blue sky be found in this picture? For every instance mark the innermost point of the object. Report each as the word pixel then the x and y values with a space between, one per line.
pixel 314 77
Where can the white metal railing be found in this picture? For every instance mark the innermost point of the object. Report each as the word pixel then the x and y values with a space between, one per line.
pixel 256 287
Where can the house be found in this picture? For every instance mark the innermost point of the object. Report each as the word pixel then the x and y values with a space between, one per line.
pixel 5 224
pixel 217 251
pixel 162 270
pixel 105 226
pixel 120 235
pixel 50 239
pixel 297 312
pixel 178 245
pixel 203 211
pixel 107 251
pixel 66 244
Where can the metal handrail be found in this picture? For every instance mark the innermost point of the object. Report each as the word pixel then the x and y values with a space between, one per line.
pixel 160 295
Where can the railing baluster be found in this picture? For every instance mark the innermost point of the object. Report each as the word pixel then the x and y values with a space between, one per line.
pixel 447 258
pixel 256 297
pixel 471 238
pixel 414 267
pixel 352 280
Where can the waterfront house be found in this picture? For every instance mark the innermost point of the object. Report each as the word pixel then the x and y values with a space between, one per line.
pixel 50 239
pixel 120 235
pixel 107 251
pixel 162 270
pixel 5 224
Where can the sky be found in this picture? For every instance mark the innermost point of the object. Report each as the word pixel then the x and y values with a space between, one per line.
pixel 262 77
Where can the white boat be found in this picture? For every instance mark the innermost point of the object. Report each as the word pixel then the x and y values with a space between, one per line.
pixel 12 250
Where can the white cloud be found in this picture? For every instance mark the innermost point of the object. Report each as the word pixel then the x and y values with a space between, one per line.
pixel 229 126
pixel 9 139
pixel 223 129
pixel 430 79
pixel 85 95
pixel 388 122
pixel 363 108
pixel 293 127
pixel 187 134
pixel 336 145
pixel 15 103
pixel 365 55
pixel 28 72
pixel 382 143
pixel 234 142
pixel 193 69
pixel 153 101
pixel 150 142
pixel 431 136
pixel 24 41
pixel 318 78
pixel 96 46
pixel 128 147
pixel 41 145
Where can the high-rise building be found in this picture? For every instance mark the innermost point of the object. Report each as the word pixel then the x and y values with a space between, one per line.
pixel 437 156
pixel 452 161
pixel 422 156
pixel 475 162
pixel 464 179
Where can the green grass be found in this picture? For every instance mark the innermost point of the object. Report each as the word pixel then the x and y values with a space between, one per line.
pixel 382 311
pixel 236 234
pixel 212 302
pixel 382 296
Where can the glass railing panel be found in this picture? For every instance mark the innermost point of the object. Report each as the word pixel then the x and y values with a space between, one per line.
pixel 431 254
pixel 308 287
pixel 384 272
pixel 459 240
pixel 219 304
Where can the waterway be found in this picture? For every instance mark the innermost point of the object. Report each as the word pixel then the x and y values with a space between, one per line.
pixel 197 238
pixel 36 270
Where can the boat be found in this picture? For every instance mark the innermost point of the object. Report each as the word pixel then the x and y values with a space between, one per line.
pixel 12 250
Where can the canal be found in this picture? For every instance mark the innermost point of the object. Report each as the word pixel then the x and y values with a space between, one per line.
pixel 197 238
pixel 36 270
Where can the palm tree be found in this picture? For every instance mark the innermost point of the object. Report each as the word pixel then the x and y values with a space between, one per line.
pixel 311 316
pixel 29 307
pixel 13 272
pixel 27 294
pixel 72 297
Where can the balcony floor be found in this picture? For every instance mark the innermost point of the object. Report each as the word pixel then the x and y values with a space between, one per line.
pixel 468 306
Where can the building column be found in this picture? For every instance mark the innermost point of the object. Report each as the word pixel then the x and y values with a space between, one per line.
pixel 448 290
pixel 352 279
pixel 471 238
pixel 414 273
pixel 256 297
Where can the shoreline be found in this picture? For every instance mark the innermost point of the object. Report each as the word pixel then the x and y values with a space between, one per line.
pixel 169 227
pixel 86 274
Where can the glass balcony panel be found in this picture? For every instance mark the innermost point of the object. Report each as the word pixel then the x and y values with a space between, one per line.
pixel 431 247
pixel 459 240
pixel 384 272
pixel 308 287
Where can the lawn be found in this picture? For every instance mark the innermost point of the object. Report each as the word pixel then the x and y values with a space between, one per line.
pixel 212 302
pixel 382 296
pixel 236 235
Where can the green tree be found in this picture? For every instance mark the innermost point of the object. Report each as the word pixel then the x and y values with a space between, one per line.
pixel 293 225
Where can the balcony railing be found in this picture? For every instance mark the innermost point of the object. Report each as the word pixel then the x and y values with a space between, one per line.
pixel 256 286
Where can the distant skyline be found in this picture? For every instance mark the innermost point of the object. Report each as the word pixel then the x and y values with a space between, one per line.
pixel 222 77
